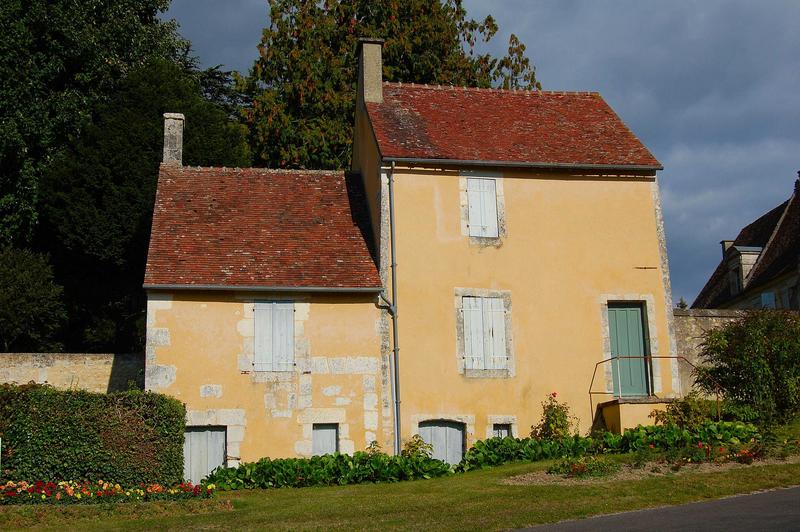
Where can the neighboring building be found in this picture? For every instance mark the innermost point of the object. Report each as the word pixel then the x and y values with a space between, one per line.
pixel 523 233
pixel 761 268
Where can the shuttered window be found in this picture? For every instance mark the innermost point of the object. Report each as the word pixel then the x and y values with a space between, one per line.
pixel 484 332
pixel 482 202
pixel 274 336
pixel 324 438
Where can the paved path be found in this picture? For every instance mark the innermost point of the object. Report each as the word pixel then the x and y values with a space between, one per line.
pixel 768 510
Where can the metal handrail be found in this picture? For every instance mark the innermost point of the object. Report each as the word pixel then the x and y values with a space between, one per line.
pixel 717 387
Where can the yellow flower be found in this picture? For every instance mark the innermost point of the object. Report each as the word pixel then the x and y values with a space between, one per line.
pixel 78 496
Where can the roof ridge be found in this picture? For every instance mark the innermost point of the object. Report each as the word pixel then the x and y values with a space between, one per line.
pixel 755 268
pixel 538 92
pixel 253 169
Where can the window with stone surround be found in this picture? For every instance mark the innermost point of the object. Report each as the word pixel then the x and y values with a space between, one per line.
pixel 274 336
pixel 482 203
pixel 483 333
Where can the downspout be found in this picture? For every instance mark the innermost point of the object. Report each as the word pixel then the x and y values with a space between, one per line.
pixel 393 313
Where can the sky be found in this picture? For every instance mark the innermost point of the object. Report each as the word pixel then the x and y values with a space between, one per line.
pixel 711 87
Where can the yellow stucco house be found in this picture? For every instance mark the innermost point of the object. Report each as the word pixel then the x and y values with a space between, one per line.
pixel 486 248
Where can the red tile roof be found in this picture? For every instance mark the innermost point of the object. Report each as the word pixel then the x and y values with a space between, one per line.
pixel 534 127
pixel 260 228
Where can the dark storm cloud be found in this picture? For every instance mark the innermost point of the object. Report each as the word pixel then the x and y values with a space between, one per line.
pixel 711 87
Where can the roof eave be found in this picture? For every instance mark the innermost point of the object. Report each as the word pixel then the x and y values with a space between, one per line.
pixel 262 288
pixel 516 164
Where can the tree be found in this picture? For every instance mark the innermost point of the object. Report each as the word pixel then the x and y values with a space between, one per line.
pixel 97 197
pixel 303 84
pixel 756 362
pixel 31 310
pixel 58 58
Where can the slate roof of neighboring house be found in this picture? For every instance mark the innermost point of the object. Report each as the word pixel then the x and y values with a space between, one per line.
pixel 573 129
pixel 254 227
pixel 778 232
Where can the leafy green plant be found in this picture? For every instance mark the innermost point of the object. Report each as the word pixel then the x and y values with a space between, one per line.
pixel 584 467
pixel 756 362
pixel 328 470
pixel 416 446
pixel 556 421
pixel 130 437
pixel 689 412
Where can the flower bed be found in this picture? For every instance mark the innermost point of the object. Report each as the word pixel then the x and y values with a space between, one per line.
pixel 71 492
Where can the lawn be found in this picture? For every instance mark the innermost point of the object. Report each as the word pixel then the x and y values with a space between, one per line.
pixel 476 500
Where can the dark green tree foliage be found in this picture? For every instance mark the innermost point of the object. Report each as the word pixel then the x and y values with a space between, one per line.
pixel 31 307
pixel 53 435
pixel 756 361
pixel 58 58
pixel 303 84
pixel 97 197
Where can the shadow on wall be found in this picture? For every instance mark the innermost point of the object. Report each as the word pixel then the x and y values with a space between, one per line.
pixel 96 372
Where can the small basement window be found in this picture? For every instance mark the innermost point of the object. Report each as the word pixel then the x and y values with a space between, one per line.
pixel 324 438
pixel 501 430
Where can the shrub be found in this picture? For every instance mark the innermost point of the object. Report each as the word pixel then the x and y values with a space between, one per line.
pixel 131 438
pixel 756 361
pixel 416 446
pixel 556 422
pixel 329 470
pixel 689 412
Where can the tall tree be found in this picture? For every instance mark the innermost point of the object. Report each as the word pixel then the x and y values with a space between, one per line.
pixel 58 58
pixel 97 197
pixel 31 310
pixel 303 84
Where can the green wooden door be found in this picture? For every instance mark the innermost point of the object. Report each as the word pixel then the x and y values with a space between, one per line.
pixel 626 329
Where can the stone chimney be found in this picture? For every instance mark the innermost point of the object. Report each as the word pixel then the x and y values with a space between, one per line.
pixel 173 138
pixel 370 70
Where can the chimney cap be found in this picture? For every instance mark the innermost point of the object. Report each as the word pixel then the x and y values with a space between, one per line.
pixel 175 116
pixel 371 40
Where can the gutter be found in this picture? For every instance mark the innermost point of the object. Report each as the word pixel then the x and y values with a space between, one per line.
pixel 260 288
pixel 533 164
pixel 392 308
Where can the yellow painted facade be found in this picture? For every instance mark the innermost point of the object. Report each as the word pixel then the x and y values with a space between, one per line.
pixel 200 348
pixel 570 244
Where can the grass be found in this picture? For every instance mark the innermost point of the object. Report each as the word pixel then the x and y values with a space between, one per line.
pixel 469 501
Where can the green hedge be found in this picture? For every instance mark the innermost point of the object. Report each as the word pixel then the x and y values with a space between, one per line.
pixel 328 470
pixel 130 437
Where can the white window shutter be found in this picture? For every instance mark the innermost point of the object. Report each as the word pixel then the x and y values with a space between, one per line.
pixel 283 336
pixel 495 310
pixel 482 203
pixel 489 208
pixel 471 308
pixel 262 360
pixel 474 201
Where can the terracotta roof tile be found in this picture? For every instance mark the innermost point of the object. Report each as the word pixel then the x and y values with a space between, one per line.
pixel 260 228
pixel 562 128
